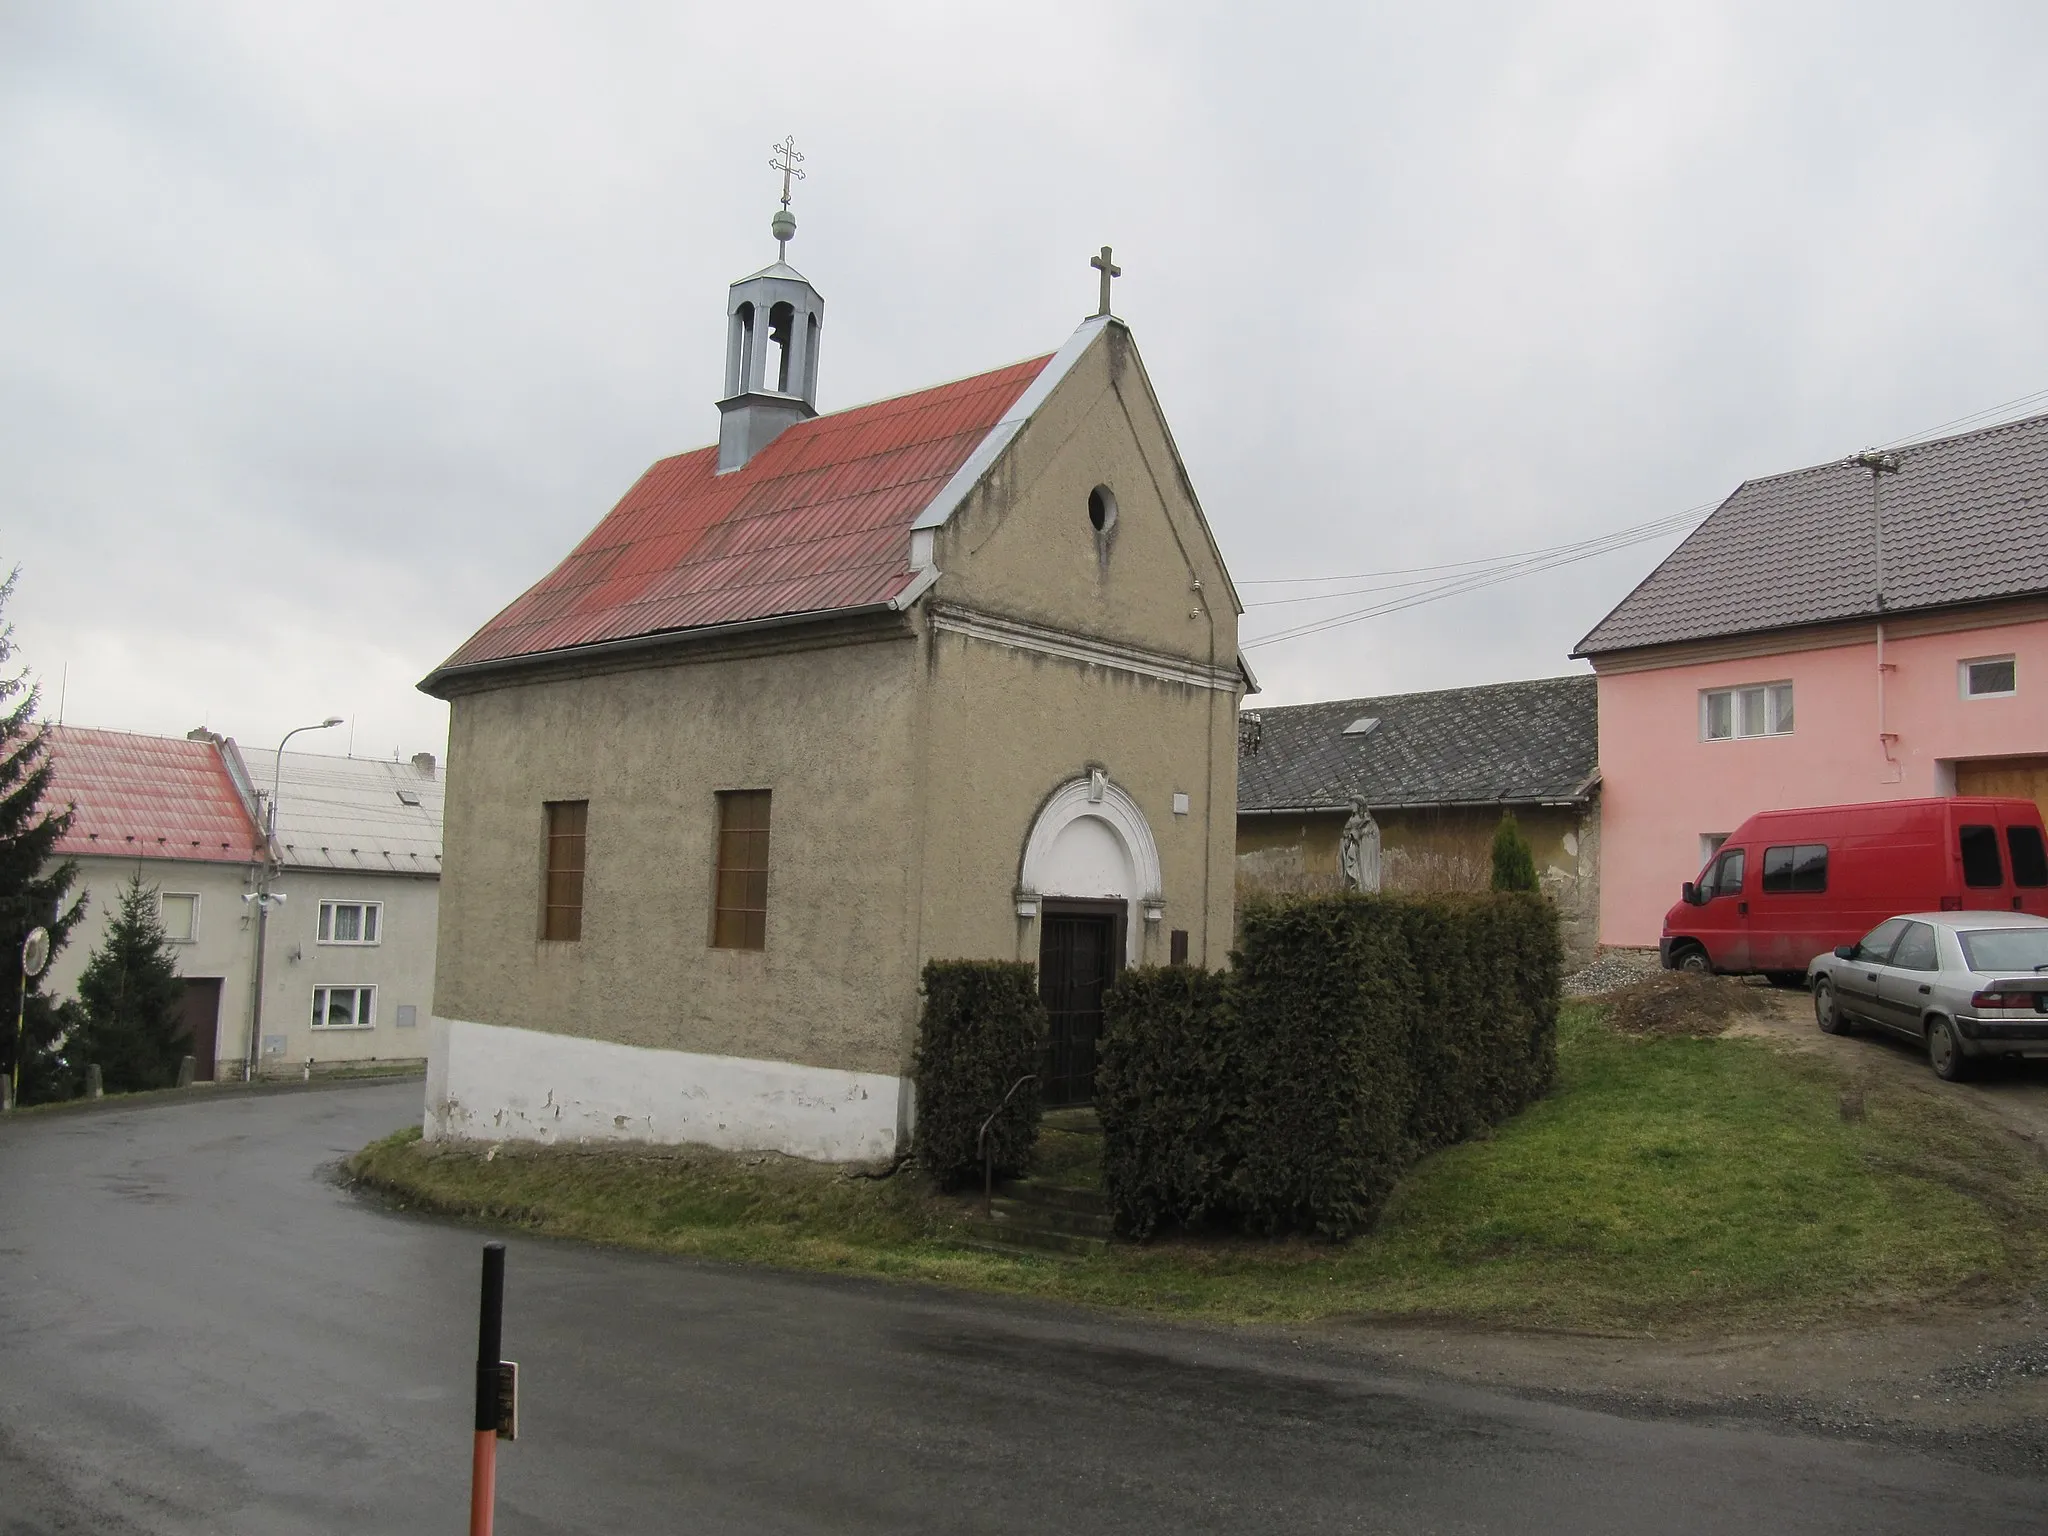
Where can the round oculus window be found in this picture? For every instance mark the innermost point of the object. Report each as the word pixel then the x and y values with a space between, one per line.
pixel 1101 509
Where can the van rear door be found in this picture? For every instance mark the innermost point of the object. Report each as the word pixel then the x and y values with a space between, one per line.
pixel 2026 857
pixel 1980 857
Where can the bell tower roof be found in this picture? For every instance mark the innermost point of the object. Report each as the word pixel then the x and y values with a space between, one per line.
pixel 774 321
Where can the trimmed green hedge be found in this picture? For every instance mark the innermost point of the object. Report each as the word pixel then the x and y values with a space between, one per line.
pixel 982 1029
pixel 1324 997
pixel 1355 1034
pixel 1160 1067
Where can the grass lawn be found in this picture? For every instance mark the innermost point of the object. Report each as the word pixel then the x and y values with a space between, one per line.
pixel 1666 1184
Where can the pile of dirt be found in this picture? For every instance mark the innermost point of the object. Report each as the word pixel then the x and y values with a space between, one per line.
pixel 1684 1003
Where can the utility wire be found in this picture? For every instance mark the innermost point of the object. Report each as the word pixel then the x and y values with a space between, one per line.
pixel 1451 565
pixel 1619 539
pixel 1973 417
pixel 1451 587
pixel 1487 571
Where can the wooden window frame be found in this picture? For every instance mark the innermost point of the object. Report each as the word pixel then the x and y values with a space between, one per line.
pixel 742 840
pixel 561 918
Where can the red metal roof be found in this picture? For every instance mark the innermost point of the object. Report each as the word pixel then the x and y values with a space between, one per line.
pixel 816 521
pixel 148 797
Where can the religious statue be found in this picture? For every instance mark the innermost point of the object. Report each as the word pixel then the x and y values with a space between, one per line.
pixel 1358 851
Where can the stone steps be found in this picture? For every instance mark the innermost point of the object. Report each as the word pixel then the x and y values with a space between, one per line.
pixel 1031 1216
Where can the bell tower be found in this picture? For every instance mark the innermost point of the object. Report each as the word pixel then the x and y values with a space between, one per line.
pixel 773 320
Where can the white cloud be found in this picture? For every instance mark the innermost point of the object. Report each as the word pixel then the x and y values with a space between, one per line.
pixel 332 327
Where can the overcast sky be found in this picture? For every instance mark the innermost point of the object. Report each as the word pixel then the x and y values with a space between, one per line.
pixel 326 329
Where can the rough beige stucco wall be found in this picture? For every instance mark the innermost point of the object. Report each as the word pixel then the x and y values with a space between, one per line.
pixel 828 730
pixel 1009 727
pixel 1022 545
pixel 1448 849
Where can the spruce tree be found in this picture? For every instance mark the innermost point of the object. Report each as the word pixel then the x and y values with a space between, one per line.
pixel 1514 864
pixel 33 882
pixel 131 994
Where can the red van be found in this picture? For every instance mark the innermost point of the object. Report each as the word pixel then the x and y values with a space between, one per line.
pixel 1789 885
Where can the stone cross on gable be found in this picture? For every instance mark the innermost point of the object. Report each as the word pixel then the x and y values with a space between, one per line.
pixel 1108 269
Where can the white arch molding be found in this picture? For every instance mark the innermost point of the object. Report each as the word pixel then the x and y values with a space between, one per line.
pixel 1091 842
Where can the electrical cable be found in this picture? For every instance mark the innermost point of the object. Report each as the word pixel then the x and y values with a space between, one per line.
pixel 1486 571
pixel 1452 587
pixel 1621 538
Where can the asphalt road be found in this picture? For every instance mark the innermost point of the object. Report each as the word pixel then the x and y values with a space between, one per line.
pixel 200 1332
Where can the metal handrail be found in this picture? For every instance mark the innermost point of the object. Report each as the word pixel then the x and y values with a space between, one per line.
pixel 988 1164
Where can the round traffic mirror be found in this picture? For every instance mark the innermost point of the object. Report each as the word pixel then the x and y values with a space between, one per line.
pixel 35 952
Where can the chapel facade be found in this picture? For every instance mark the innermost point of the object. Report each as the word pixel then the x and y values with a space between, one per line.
pixel 948 676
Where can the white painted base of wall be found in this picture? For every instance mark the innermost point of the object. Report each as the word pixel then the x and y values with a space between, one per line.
pixel 489 1083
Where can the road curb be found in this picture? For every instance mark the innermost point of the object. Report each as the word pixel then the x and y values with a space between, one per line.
pixel 209 1093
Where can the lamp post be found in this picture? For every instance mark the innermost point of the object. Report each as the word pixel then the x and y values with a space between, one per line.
pixel 265 898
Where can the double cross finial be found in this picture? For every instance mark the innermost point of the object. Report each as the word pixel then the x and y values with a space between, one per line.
pixel 786 161
pixel 783 225
pixel 1106 267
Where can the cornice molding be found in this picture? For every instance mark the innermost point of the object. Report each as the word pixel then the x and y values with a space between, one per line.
pixel 1087 650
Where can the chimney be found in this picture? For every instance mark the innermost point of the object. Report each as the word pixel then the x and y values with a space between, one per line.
pixel 424 761
pixel 201 733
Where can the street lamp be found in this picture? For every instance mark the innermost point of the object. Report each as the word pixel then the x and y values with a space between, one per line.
pixel 264 897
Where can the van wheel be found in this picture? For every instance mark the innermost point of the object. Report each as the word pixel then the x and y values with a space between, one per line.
pixel 1787 981
pixel 1945 1052
pixel 1692 958
pixel 1825 1013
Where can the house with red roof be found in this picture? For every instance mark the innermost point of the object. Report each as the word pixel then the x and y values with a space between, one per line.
pixel 354 870
pixel 180 815
pixel 1872 628
pixel 947 676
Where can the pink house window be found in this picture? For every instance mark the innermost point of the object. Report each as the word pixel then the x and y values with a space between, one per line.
pixel 1990 677
pixel 1760 709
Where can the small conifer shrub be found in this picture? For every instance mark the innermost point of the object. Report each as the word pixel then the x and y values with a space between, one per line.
pixel 1514 865
pixel 131 993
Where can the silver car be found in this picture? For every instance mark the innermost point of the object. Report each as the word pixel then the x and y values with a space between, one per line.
pixel 1967 985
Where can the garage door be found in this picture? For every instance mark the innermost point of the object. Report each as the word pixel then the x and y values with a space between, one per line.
pixel 2026 777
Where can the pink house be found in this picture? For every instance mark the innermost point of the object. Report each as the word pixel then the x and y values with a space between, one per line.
pixel 1871 629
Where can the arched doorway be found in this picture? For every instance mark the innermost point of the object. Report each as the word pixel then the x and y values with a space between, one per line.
pixel 1091 872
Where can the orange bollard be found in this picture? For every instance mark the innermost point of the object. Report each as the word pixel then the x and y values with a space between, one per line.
pixel 483 1466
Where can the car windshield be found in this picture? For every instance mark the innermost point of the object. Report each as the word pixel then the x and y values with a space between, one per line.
pixel 2006 949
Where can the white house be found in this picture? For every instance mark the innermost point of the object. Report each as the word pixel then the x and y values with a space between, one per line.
pixel 347 960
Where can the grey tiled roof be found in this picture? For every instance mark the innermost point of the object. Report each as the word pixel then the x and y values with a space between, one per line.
pixel 1502 743
pixel 1965 520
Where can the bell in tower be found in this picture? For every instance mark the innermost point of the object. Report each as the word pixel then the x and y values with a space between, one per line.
pixel 773 320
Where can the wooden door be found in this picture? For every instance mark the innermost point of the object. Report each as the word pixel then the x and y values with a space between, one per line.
pixel 1079 947
pixel 2025 778
pixel 199 1023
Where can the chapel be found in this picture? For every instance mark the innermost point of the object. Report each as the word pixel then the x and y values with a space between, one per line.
pixel 947 676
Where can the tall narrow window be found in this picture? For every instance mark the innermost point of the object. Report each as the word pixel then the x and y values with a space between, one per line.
pixel 562 892
pixel 739 918
pixel 782 337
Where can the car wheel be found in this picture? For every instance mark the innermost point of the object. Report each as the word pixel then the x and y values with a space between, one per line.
pixel 1945 1052
pixel 1825 1012
pixel 1693 958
